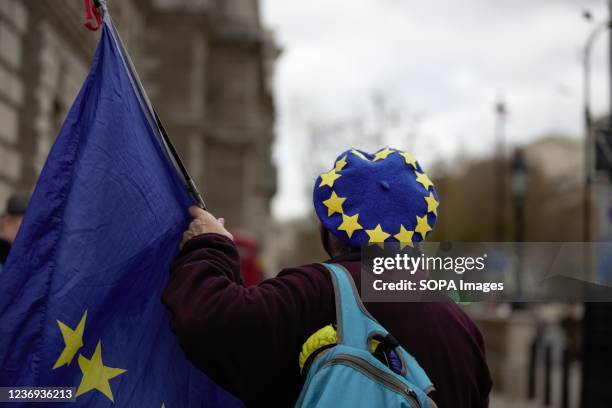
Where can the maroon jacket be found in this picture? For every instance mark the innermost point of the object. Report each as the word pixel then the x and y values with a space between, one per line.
pixel 248 339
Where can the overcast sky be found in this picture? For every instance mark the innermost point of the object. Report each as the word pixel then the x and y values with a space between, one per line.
pixel 442 61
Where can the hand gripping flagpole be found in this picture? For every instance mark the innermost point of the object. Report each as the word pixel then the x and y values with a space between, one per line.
pixel 98 9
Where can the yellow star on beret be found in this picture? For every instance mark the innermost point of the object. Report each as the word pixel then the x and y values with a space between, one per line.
pixel 422 226
pixel 358 154
pixel 424 180
pixel 349 224
pixel 377 235
pixel 334 204
pixel 404 236
pixel 409 159
pixel 432 204
pixel 327 179
pixel 383 154
pixel 340 163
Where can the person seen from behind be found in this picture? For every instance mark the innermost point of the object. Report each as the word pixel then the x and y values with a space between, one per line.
pixel 256 341
pixel 10 221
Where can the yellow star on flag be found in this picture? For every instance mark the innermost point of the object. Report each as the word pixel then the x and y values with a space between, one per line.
pixel 327 179
pixel 377 235
pixel 96 374
pixel 358 154
pixel 404 236
pixel 432 204
pixel 409 159
pixel 422 226
pixel 73 341
pixel 383 154
pixel 424 180
pixel 341 163
pixel 334 204
pixel 350 224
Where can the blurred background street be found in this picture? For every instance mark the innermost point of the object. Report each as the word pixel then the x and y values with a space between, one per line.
pixel 507 104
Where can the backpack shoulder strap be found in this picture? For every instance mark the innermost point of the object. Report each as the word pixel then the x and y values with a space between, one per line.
pixel 349 308
pixel 356 326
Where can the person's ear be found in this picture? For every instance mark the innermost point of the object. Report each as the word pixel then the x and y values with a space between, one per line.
pixel 324 236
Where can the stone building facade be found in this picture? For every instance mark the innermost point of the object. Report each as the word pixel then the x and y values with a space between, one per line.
pixel 206 64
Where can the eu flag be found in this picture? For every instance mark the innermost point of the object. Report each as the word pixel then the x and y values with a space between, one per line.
pixel 80 293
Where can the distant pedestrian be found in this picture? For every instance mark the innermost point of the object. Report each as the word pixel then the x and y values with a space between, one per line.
pixel 10 221
pixel 256 341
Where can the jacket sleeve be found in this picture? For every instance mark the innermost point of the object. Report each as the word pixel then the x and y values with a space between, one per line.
pixel 244 338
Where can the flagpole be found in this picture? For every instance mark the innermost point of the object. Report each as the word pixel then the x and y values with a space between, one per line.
pixel 150 113
pixel 190 184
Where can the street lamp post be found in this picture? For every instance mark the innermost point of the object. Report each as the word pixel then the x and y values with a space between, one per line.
pixel 519 190
pixel 500 171
pixel 589 150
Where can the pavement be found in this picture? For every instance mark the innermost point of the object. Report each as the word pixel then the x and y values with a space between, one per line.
pixel 499 401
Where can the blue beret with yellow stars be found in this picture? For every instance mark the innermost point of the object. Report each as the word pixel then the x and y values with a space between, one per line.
pixel 376 198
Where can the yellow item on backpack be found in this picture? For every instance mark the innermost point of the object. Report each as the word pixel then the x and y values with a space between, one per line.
pixel 321 338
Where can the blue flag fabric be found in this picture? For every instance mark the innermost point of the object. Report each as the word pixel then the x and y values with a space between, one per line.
pixel 80 293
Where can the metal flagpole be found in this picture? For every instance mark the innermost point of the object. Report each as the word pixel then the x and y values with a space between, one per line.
pixel 149 111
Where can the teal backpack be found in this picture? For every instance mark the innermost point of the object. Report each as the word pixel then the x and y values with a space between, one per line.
pixel 348 374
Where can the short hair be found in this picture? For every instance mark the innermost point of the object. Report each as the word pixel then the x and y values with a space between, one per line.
pixel 17 203
pixel 339 247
